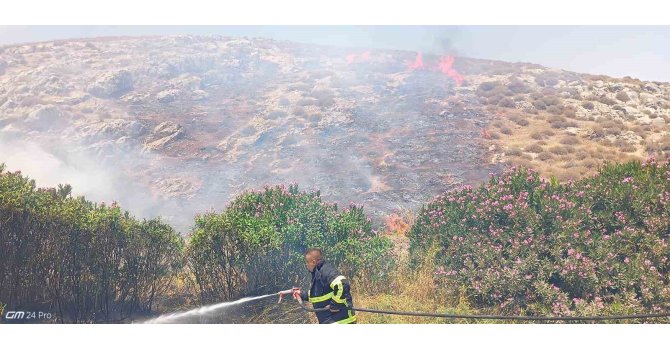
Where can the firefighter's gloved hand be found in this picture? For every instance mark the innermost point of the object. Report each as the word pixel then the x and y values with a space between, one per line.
pixel 282 294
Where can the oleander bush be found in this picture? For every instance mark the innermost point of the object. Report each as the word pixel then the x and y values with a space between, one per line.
pixel 256 244
pixel 523 243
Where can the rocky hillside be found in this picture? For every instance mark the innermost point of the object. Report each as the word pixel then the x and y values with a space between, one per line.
pixel 173 126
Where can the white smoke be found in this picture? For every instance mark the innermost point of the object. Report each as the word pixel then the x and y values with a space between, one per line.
pixel 95 179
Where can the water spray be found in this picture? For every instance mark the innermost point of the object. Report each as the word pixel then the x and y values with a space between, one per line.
pixel 179 317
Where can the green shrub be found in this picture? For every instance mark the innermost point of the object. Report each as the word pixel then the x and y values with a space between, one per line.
pixel 256 244
pixel 524 244
pixel 85 261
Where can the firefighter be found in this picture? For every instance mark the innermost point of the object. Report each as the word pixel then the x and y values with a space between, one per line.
pixel 329 288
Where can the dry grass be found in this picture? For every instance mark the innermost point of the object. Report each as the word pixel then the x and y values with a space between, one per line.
pixel 413 290
pixel 590 163
pixel 658 146
pixel 541 145
pixel 571 173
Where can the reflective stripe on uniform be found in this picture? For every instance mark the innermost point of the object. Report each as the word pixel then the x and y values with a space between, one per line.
pixel 340 289
pixel 347 320
pixel 337 280
pixel 320 298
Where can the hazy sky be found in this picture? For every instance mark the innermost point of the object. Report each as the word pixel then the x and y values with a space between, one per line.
pixel 638 51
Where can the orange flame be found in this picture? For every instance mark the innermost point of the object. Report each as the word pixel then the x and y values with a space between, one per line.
pixel 418 62
pixel 446 66
pixel 395 223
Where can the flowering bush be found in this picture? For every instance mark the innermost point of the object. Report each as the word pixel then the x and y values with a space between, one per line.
pixel 522 242
pixel 256 244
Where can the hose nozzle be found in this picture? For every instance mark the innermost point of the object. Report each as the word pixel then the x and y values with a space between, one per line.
pixel 283 293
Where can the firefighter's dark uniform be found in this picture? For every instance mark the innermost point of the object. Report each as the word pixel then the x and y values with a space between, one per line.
pixel 329 287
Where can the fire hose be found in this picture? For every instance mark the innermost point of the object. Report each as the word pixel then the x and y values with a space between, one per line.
pixel 486 317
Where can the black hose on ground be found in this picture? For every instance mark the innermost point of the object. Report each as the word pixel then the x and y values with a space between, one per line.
pixel 497 317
